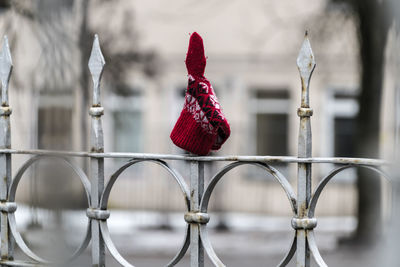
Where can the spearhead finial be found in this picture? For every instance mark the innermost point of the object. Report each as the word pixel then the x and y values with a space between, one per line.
pixel 306 66
pixel 96 65
pixel 5 70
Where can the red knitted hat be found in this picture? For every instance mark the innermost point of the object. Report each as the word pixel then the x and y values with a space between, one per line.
pixel 201 127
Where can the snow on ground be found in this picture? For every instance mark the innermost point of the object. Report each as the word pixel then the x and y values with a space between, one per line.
pixel 143 233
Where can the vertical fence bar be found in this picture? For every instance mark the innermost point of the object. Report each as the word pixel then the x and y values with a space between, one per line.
pixel 96 64
pixel 196 191
pixel 397 123
pixel 306 65
pixel 7 242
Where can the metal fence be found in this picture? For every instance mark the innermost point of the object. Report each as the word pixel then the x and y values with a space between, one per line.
pixel 196 195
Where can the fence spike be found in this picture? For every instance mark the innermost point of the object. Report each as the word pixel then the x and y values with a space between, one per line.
pixel 96 65
pixel 5 70
pixel 306 66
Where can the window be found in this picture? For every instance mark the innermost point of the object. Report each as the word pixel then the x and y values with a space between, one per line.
pixel 127 122
pixel 342 109
pixel 345 112
pixel 54 128
pixel 270 116
pixel 54 121
pixel 344 137
pixel 127 127
pixel 272 134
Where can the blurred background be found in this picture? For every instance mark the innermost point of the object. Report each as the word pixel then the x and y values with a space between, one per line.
pixel 251 49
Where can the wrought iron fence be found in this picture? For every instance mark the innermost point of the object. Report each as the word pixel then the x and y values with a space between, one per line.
pixel 196 195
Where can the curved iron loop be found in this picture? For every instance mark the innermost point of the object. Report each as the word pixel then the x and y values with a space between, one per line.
pixel 314 249
pixel 107 190
pixel 11 217
pixel 110 245
pixel 182 250
pixel 104 203
pixel 208 247
pixel 217 261
pixel 21 243
pixel 28 252
pixel 314 199
pixel 207 194
pixel 274 172
pixel 289 255
pixel 78 171
pixel 118 257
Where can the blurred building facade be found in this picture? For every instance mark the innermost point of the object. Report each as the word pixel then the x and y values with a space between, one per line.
pixel 251 49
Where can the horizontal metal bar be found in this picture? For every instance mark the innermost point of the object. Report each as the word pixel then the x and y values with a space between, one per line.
pixel 20 263
pixel 271 159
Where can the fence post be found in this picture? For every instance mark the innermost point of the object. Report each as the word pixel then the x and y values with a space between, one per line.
pixel 196 191
pixel 306 65
pixel 96 64
pixel 7 241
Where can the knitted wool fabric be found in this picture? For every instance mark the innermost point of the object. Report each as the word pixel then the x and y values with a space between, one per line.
pixel 201 127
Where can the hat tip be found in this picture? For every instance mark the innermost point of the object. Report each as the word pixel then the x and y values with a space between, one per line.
pixel 195 58
pixel 195 36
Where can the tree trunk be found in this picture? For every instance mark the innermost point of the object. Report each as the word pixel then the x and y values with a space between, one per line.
pixel 373 36
pixel 82 91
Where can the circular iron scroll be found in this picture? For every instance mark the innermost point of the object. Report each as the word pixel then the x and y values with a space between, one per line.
pixel 11 217
pixel 314 200
pixel 104 201
pixel 207 194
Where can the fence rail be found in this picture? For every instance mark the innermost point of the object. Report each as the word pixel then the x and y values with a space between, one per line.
pixel 196 195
